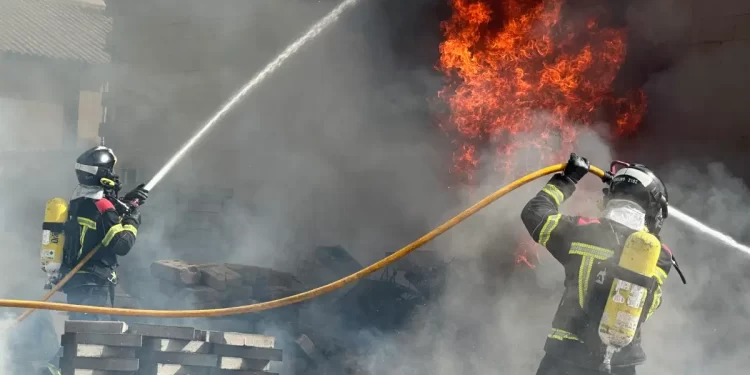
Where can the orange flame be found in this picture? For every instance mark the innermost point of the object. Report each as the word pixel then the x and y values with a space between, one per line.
pixel 500 78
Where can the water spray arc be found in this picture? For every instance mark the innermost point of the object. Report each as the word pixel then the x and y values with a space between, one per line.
pixel 705 229
pixel 261 76
pixel 304 296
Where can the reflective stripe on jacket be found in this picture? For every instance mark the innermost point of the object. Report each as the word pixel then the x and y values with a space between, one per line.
pixel 95 222
pixel 577 243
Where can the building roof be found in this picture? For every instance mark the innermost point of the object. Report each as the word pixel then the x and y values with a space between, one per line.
pixel 57 29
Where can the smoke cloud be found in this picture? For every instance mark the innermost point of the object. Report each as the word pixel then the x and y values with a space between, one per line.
pixel 694 137
pixel 33 169
pixel 335 148
pixel 494 314
pixel 702 323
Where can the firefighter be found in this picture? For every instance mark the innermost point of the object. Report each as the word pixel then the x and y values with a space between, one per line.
pixel 635 200
pixel 97 218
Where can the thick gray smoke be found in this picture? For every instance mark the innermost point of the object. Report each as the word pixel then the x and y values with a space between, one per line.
pixel 495 314
pixel 33 169
pixel 696 134
pixel 704 324
pixel 335 148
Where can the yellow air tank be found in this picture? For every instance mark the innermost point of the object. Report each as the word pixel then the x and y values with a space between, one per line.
pixel 53 238
pixel 626 301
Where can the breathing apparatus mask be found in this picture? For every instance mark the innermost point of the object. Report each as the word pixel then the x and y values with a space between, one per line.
pixel 638 184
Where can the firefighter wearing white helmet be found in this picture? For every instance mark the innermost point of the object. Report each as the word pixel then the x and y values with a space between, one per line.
pixel 615 265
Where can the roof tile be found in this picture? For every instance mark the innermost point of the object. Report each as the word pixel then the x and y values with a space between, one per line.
pixel 63 30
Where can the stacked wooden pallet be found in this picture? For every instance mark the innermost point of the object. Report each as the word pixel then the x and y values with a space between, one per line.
pixel 116 348
pixel 207 286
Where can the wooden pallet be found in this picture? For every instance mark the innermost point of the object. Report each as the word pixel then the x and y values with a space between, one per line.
pixel 116 348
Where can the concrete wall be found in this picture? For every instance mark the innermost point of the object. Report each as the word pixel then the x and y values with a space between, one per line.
pixel 39 125
pixel 89 117
pixel 31 125
pixel 32 94
pixel 37 152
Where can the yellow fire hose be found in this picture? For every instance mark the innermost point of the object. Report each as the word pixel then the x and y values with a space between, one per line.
pixel 60 283
pixel 286 300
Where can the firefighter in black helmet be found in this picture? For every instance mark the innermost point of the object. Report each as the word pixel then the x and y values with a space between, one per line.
pixel 97 218
pixel 635 200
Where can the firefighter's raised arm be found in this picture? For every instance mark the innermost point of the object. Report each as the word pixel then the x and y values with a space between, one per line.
pixel 120 233
pixel 541 216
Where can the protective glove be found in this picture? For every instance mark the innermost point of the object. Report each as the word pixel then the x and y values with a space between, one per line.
pixel 576 168
pixel 137 196
pixel 132 218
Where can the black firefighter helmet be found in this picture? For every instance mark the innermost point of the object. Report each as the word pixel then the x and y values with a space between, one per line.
pixel 637 183
pixel 96 167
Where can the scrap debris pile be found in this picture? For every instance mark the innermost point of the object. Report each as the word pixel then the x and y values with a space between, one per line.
pixel 318 335
pixel 210 286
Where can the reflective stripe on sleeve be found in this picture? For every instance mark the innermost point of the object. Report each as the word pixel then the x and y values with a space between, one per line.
pixel 661 276
pixel 554 193
pixel 655 303
pixel 115 229
pixel 549 225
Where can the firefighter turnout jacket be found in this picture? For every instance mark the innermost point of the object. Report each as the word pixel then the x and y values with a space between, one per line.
pixel 577 243
pixel 92 223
